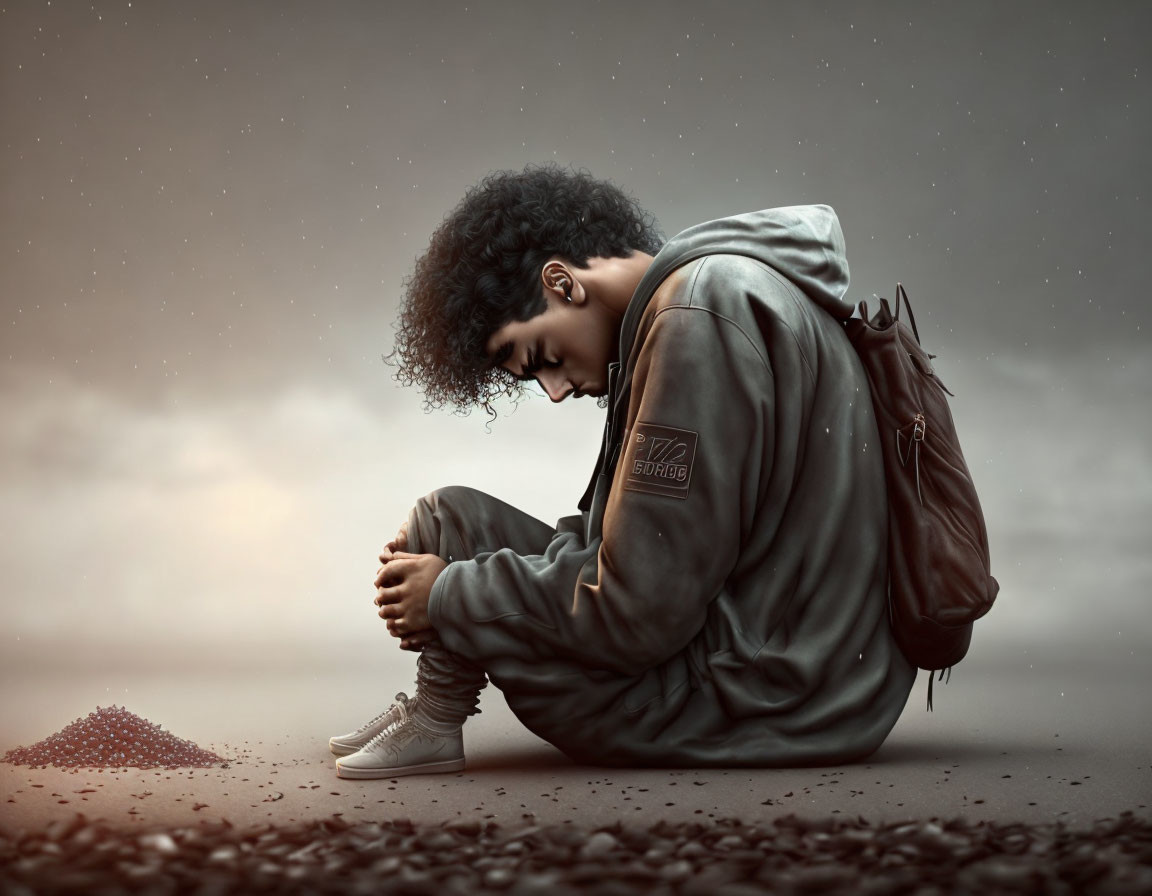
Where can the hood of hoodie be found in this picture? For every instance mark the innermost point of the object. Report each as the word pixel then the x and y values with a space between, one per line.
pixel 802 242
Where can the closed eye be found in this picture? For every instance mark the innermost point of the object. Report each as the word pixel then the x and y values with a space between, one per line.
pixel 532 365
pixel 529 370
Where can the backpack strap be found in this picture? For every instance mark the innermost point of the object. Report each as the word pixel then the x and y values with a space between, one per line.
pixel 946 680
pixel 900 292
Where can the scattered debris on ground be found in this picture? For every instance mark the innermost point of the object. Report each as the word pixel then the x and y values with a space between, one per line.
pixel 722 858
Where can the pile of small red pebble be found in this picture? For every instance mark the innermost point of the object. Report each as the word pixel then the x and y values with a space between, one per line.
pixel 113 737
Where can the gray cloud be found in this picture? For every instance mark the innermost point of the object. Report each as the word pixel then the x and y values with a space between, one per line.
pixel 209 209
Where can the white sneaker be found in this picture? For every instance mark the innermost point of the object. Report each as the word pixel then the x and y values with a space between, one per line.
pixel 344 744
pixel 404 748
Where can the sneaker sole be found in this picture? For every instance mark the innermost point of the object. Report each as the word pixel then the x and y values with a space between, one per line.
pixel 451 765
pixel 342 750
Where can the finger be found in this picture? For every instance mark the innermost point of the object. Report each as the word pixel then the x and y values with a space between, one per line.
pixel 387 596
pixel 391 611
pixel 398 627
pixel 393 573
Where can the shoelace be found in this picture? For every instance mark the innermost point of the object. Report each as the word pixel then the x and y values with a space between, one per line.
pixel 395 725
pixel 401 699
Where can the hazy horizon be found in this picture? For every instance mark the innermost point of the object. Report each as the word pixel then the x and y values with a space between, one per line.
pixel 209 210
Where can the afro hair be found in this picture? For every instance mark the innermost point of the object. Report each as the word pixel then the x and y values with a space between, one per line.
pixel 482 271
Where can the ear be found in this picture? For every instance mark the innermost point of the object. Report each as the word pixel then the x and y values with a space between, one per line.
pixel 561 282
pixel 577 293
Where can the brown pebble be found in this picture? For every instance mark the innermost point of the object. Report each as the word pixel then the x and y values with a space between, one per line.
pixel 722 858
pixel 599 844
pixel 112 737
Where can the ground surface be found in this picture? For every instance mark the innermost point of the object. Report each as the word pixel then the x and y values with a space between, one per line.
pixel 1023 740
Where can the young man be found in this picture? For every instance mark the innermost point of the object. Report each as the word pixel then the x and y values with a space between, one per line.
pixel 721 598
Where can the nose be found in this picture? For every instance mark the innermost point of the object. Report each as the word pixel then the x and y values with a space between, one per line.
pixel 555 384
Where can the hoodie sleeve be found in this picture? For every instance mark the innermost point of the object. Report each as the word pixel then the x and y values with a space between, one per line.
pixel 695 431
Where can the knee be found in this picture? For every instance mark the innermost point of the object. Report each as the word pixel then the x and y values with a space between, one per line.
pixel 448 497
pixel 440 509
pixel 449 494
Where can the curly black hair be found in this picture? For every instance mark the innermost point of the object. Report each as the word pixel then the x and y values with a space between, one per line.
pixel 482 271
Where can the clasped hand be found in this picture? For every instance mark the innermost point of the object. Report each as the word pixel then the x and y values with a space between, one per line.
pixel 403 586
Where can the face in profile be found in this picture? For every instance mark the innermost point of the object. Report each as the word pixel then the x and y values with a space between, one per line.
pixel 566 349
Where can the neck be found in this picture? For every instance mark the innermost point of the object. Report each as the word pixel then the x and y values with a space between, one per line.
pixel 613 281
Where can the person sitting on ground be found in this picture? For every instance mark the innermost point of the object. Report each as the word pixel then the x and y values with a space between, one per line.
pixel 720 598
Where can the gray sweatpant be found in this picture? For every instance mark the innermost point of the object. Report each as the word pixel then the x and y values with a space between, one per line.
pixel 457 523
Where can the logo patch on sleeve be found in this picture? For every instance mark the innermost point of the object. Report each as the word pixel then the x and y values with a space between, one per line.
pixel 659 460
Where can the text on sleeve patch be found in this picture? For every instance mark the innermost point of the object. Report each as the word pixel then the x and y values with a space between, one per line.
pixel 658 460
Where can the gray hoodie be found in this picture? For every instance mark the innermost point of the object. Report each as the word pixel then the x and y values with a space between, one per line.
pixel 720 600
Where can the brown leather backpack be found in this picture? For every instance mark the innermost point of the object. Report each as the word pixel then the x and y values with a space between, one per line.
pixel 939 578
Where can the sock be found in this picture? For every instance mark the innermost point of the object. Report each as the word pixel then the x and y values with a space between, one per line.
pixel 447 689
